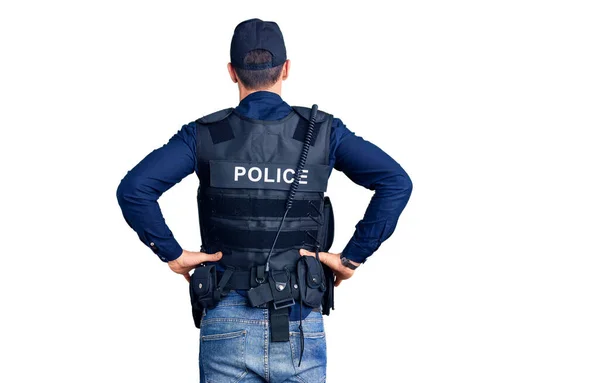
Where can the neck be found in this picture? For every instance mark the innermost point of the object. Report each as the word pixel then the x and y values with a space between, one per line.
pixel 276 88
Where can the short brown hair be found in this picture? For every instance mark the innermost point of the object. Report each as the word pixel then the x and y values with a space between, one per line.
pixel 261 78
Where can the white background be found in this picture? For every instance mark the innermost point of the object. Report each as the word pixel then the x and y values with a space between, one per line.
pixel 492 274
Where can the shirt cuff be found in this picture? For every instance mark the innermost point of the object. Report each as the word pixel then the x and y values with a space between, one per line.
pixel 355 253
pixel 166 251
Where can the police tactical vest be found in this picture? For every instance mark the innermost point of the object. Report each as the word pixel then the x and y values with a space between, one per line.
pixel 246 168
pixel 260 200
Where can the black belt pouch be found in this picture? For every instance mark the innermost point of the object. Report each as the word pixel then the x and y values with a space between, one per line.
pixel 311 281
pixel 202 291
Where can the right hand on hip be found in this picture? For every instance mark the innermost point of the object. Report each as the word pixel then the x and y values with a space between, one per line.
pixel 332 260
pixel 188 260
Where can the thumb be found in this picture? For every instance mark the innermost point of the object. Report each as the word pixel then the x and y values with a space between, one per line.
pixel 213 257
pixel 198 258
pixel 326 259
pixel 306 252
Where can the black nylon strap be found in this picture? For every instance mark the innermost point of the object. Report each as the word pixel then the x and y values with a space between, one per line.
pixel 225 279
pixel 246 280
pixel 240 280
pixel 254 239
pixel 280 324
pixel 226 206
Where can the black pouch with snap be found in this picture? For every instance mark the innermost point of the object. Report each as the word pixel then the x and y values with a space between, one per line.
pixel 311 281
pixel 202 291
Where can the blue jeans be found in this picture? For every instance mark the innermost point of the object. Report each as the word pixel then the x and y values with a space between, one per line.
pixel 235 346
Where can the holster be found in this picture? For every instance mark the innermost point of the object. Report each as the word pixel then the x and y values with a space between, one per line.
pixel 328 225
pixel 327 241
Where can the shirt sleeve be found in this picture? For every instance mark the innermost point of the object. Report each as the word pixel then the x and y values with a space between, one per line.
pixel 141 187
pixel 369 166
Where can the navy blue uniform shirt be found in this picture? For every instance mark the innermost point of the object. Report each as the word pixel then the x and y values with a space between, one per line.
pixel 363 162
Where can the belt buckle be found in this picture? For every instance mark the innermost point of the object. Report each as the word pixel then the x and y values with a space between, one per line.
pixel 284 303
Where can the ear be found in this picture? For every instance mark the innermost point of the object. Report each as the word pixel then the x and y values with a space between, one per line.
pixel 232 73
pixel 285 72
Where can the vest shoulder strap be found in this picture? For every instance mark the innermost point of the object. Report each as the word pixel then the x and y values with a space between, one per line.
pixel 305 113
pixel 215 117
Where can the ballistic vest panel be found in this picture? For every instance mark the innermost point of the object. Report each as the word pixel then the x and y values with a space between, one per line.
pixel 246 167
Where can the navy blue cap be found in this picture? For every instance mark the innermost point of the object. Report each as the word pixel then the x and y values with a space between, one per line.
pixel 257 34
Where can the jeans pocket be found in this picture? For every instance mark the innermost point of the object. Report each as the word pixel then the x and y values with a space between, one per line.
pixel 313 368
pixel 222 357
